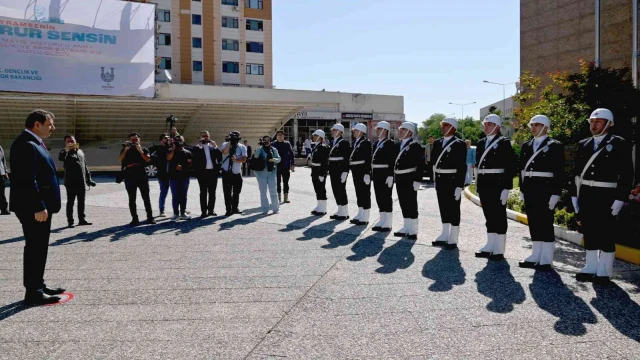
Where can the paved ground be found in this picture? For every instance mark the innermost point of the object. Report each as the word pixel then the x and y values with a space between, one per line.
pixel 292 285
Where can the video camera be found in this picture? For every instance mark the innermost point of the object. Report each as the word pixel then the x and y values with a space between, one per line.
pixel 233 138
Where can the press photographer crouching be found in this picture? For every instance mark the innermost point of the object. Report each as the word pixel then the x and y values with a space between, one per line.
pixel 134 158
pixel 180 160
pixel 77 178
pixel 233 155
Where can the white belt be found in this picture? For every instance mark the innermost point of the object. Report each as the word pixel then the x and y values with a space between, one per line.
pixel 405 171
pixel 314 164
pixel 600 184
pixel 537 174
pixel 491 171
pixel 446 171
pixel 380 166
pixel 336 158
pixel 359 162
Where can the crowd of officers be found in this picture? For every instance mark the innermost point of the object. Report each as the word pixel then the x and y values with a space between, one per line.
pixel 601 182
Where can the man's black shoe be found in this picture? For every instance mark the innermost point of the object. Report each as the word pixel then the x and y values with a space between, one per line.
pixel 211 213
pixel 134 222
pixel 483 254
pixel 71 226
pixel 439 243
pixel 584 277
pixel 5 212
pixel 84 223
pixel 527 264
pixel 546 267
pixel 228 213
pixel 151 221
pixel 451 246
pixel 601 280
pixel 49 291
pixel 203 215
pixel 40 298
pixel 496 257
pixel 237 211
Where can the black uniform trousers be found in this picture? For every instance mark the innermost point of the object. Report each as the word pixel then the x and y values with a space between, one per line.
pixel 539 217
pixel 449 206
pixel 74 192
pixel 4 205
pixel 407 197
pixel 319 187
pixel 363 191
pixel 339 188
pixel 132 185
pixel 599 227
pixel 384 196
pixel 36 247
pixel 494 212
pixel 284 174
pixel 208 182
pixel 231 187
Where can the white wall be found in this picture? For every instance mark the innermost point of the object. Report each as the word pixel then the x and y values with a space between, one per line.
pixel 225 10
pixel 229 78
pixel 254 79
pixel 508 104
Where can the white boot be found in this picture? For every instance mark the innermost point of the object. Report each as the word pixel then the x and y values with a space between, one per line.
pixel 317 208
pixel 357 217
pixel 500 244
pixel 592 263
pixel 405 229
pixel 322 206
pixel 381 222
pixel 364 218
pixel 343 211
pixel 536 253
pixel 413 231
pixel 388 221
pixel 488 247
pixel 453 235
pixel 446 228
pixel 546 256
pixel 605 264
pixel 337 212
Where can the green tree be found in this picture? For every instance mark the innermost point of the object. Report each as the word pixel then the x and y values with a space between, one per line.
pixel 431 126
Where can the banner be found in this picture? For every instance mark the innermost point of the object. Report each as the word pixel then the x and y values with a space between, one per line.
pixel 85 47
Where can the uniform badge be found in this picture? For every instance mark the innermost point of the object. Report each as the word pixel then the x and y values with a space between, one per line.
pixel 495 146
pixel 448 149
pixel 545 149
pixel 609 147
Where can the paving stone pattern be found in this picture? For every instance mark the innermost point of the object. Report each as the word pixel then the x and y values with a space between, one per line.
pixel 296 286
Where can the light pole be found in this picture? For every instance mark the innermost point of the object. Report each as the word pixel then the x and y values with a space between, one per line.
pixel 462 115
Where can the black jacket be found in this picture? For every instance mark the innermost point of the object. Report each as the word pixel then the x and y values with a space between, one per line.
pixel 410 157
pixel 320 160
pixel 200 158
pixel 549 159
pixel 361 153
pixel 76 172
pixel 384 155
pixel 159 159
pixel 340 150
pixel 499 156
pixel 454 158
pixel 613 164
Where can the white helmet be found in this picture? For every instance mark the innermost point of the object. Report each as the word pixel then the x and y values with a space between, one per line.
pixel 319 133
pixel 451 121
pixel 338 127
pixel 540 119
pixel 409 126
pixel 601 114
pixel 493 118
pixel 383 125
pixel 360 127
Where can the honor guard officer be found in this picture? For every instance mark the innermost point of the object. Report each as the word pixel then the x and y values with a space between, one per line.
pixel 603 177
pixel 541 166
pixel 360 164
pixel 383 161
pixel 339 170
pixel 448 156
pixel 496 164
pixel 408 171
pixel 319 161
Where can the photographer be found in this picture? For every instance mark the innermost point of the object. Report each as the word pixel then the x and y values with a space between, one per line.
pixel 179 163
pixel 269 157
pixel 134 158
pixel 206 163
pixel 286 166
pixel 234 155
pixel 159 159
pixel 76 178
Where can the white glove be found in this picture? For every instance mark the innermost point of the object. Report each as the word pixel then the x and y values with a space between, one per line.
pixel 617 205
pixel 457 193
pixel 521 196
pixel 367 179
pixel 504 196
pixel 574 200
pixel 416 186
pixel 343 177
pixel 390 181
pixel 321 178
pixel 553 201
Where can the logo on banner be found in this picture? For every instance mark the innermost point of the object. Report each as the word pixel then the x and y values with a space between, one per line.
pixel 107 77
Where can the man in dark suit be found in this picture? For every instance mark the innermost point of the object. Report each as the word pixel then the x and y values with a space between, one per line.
pixel 246 171
pixel 206 163
pixel 35 197
pixel 4 176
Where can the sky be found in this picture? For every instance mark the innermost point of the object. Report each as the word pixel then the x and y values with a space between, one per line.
pixel 432 52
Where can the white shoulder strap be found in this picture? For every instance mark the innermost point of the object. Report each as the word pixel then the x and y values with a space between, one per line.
pixel 486 151
pixel 443 151
pixel 535 154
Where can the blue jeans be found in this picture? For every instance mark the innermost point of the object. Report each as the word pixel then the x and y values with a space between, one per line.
pixel 179 190
pixel 268 181
pixel 164 190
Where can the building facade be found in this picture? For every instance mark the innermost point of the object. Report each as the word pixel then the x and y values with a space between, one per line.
pixel 506 108
pixel 214 42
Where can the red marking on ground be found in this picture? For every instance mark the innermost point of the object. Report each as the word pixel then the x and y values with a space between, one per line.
pixel 64 297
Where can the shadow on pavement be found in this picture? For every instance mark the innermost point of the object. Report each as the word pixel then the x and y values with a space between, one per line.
pixel 445 269
pixel 618 308
pixel 300 223
pixel 240 221
pixel 554 297
pixel 12 309
pixel 319 231
pixel 370 246
pixel 396 256
pixel 496 282
pixel 344 238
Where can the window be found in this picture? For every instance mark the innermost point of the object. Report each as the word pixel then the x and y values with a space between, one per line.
pixel 231 45
pixel 255 69
pixel 255 25
pixel 164 39
pixel 196 42
pixel 164 15
pixel 255 47
pixel 165 63
pixel 197 66
pixel 253 4
pixel 232 85
pixel 196 19
pixel 230 22
pixel 230 67
pixel 230 2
